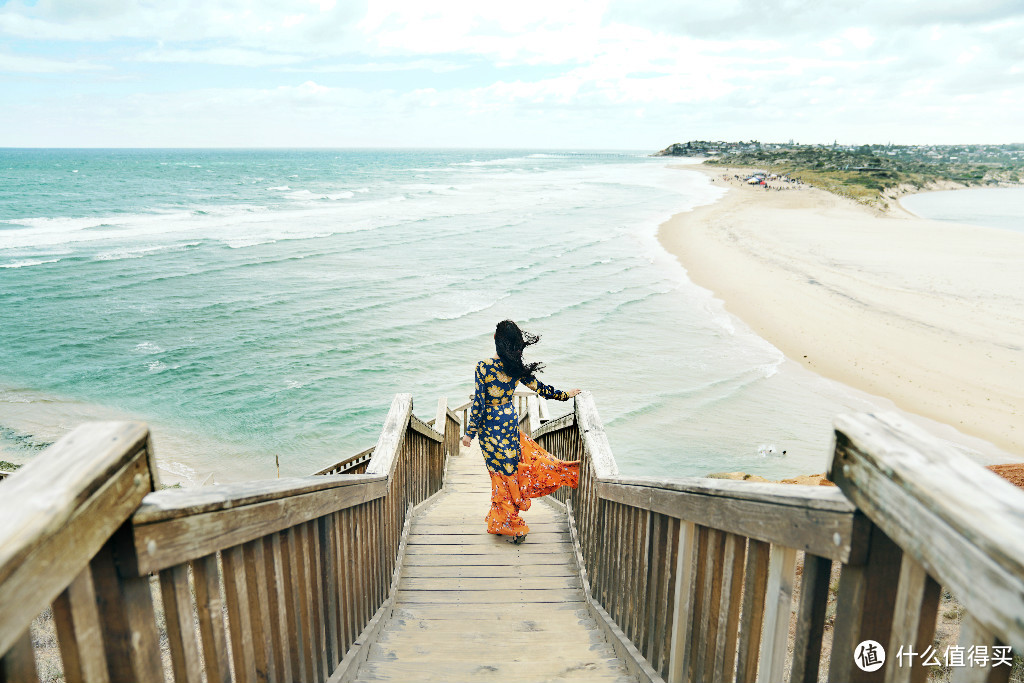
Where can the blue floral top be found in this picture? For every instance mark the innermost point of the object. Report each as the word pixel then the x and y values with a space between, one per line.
pixel 493 417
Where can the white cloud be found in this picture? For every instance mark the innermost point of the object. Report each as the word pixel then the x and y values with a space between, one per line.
pixel 779 69
pixel 42 65
pixel 860 37
pixel 224 56
pixel 432 65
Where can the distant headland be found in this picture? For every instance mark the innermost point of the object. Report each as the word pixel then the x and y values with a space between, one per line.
pixel 870 174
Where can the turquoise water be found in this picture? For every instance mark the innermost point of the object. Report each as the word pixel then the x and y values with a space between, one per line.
pixel 258 303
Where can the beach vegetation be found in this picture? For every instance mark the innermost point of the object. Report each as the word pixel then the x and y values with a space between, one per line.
pixel 869 174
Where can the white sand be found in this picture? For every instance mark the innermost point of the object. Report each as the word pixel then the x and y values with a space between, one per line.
pixel 928 314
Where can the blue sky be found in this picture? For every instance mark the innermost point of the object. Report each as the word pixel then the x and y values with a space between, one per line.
pixel 637 74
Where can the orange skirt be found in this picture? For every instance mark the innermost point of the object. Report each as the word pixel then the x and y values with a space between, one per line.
pixel 538 474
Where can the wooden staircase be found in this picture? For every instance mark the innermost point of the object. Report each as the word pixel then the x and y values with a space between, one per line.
pixel 471 607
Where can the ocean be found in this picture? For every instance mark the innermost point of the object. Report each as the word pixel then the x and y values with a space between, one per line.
pixel 253 304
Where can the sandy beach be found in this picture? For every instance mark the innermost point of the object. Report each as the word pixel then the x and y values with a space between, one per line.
pixel 927 314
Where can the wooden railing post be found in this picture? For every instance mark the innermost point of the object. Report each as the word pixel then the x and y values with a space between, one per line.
pixel 64 542
pixel 939 519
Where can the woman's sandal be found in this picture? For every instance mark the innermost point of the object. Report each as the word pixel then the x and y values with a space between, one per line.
pixel 516 540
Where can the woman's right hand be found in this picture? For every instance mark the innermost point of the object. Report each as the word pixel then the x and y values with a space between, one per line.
pixel 574 392
pixel 466 441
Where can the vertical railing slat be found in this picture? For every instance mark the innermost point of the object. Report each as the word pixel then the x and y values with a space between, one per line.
pixel 777 610
pixel 128 620
pixel 181 634
pixel 276 608
pixel 210 609
pixel 256 594
pixel 729 611
pixel 917 604
pixel 77 622
pixel 755 585
pixel 239 619
pixel 18 665
pixel 810 624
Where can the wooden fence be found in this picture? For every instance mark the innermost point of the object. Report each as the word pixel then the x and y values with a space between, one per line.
pixel 694 579
pixel 247 582
pixel 531 407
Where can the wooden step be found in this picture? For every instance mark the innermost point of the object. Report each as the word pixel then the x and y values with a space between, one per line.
pixel 489 583
pixel 471 607
pixel 489 571
pixel 575 669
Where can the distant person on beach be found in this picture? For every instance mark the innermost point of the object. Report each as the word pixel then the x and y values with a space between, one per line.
pixel 519 468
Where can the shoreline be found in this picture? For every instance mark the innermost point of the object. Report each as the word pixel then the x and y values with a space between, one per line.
pixel 31 420
pixel 917 312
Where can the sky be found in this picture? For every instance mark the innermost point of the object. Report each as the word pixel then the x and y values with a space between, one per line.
pixel 565 74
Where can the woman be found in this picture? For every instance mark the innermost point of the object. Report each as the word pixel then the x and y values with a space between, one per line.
pixel 519 468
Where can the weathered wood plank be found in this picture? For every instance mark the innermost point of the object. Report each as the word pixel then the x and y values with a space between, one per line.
pixel 595 441
pixel 64 506
pixel 864 608
pixel 18 664
pixel 906 480
pixel 176 539
pixel 513 572
pixel 259 618
pixel 421 427
pixel 210 609
pixel 499 552
pixel 317 597
pixel 239 620
pixel 700 589
pixel 77 621
pixel 290 598
pixel 913 625
pixel 796 495
pixel 161 506
pixel 385 453
pixel 755 586
pixel 810 623
pixel 181 635
pixel 301 574
pixel 729 613
pixel 836 534
pixel 778 601
pixel 329 582
pixel 125 607
pixel 973 633
pixel 489 583
pixel 483 539
pixel 552 426
pixel 275 608
pixel 500 596
pixel 348 569
pixel 441 415
pixel 707 630
pixel 685 592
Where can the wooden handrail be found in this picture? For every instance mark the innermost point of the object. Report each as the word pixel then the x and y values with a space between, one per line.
pixel 301 565
pixel 946 521
pixel 176 526
pixel 355 464
pixel 692 579
pixel 816 519
pixel 696 577
pixel 60 512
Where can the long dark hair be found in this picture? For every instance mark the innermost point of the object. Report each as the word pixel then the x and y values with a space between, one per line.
pixel 509 342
